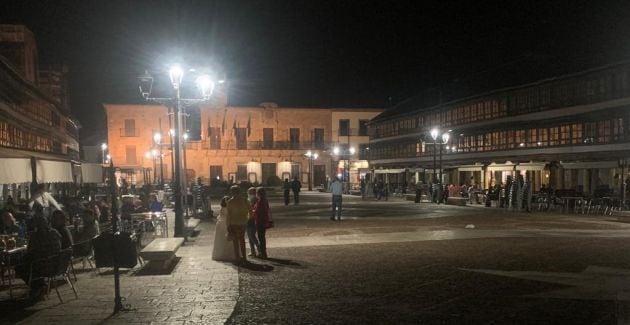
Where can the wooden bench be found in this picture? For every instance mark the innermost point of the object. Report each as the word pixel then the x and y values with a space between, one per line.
pixel 162 250
pixel 461 201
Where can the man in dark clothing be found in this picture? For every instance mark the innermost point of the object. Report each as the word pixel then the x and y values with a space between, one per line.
pixel 286 188
pixel 44 242
pixel 295 187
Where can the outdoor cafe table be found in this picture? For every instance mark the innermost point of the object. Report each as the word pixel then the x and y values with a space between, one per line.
pixel 567 199
pixel 10 258
pixel 158 218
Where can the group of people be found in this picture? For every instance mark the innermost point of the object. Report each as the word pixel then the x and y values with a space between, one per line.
pixel 47 234
pixel 240 215
pixel 295 185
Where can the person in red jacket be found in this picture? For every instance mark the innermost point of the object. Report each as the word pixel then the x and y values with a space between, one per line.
pixel 262 217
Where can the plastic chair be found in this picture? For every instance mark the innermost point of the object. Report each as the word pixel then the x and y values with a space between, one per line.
pixel 83 252
pixel 51 268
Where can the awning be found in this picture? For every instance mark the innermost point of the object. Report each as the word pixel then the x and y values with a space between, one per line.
pixel 15 170
pixel 50 171
pixel 531 166
pixel 389 171
pixel 469 168
pixel 91 173
pixel 590 164
pixel 500 167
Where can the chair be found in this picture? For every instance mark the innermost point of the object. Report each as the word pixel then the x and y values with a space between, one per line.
pixel 51 268
pixel 83 252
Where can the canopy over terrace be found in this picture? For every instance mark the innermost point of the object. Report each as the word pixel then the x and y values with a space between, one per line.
pixel 19 166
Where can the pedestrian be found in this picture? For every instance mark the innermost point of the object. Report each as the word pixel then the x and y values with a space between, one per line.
pixel 295 187
pixel 222 250
pixel 254 245
pixel 286 188
pixel 362 186
pixel 336 188
pixel 262 217
pixel 237 215
pixel 43 202
pixel 379 190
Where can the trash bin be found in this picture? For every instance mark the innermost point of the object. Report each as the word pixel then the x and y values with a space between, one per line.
pixel 124 246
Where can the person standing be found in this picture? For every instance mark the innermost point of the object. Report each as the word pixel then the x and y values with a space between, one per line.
pixel 251 223
pixel 43 202
pixel 286 188
pixel 262 217
pixel 362 186
pixel 220 250
pixel 237 215
pixel 295 187
pixel 336 188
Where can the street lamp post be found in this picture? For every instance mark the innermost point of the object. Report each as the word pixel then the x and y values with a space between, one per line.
pixel 434 134
pixel 445 137
pixel 103 148
pixel 157 138
pixel 346 156
pixel 206 85
pixel 185 181
pixel 310 156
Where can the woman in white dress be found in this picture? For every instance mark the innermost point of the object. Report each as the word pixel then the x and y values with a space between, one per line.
pixel 223 250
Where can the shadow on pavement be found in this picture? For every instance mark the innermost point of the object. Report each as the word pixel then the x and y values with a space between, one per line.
pixel 282 262
pixel 155 268
pixel 255 267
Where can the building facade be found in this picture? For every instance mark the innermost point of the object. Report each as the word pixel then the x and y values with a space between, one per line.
pixel 569 132
pixel 38 136
pixel 262 145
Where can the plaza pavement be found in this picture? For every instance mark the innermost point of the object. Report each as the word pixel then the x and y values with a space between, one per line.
pixel 202 291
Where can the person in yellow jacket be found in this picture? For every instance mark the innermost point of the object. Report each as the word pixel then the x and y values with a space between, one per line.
pixel 238 210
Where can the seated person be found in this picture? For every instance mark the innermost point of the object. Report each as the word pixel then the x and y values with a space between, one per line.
pixel 58 222
pixel 9 225
pixel 90 227
pixel 43 243
pixel 155 205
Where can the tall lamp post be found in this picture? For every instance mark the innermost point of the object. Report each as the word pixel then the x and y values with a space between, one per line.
pixel 206 86
pixel 434 135
pixel 345 155
pixel 157 138
pixel 310 156
pixel 445 137
pixel 103 148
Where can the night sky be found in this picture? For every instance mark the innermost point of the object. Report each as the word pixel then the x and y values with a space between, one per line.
pixel 320 53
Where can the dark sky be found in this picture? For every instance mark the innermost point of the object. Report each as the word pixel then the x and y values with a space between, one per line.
pixel 319 53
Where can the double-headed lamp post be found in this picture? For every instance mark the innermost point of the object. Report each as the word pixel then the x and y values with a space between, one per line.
pixel 206 86
pixel 310 156
pixel 445 137
pixel 103 148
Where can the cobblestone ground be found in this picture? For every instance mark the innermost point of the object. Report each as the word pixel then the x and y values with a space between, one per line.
pixel 197 291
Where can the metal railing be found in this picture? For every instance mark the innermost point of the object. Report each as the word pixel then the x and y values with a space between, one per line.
pixel 266 145
pixel 129 132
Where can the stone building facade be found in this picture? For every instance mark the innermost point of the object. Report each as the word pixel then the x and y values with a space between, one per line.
pixel 226 143
pixel 569 132
pixel 37 130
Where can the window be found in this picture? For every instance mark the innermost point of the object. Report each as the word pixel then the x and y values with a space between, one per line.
pixel 363 131
pixel 214 135
pixel 241 139
pixel 130 155
pixel 267 138
pixel 241 172
pixel 603 131
pixel 216 173
pixel 344 127
pixel 565 134
pixel 295 170
pixel 130 128
pixel 294 138
pixel 318 138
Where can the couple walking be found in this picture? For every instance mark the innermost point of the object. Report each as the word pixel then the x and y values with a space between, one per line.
pixel 239 215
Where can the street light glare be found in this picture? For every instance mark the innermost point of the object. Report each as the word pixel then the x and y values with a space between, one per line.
pixel 445 137
pixel 185 136
pixel 434 133
pixel 315 156
pixel 336 150
pixel 104 146
pixel 206 85
pixel 157 137
pixel 352 150
pixel 176 74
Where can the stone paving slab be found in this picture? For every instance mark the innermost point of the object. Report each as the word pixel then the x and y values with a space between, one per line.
pixel 198 290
